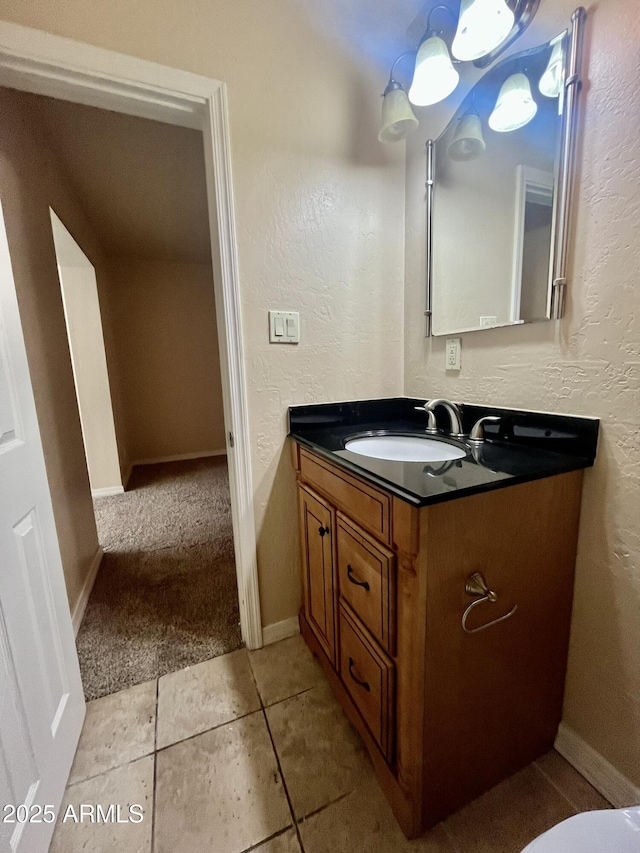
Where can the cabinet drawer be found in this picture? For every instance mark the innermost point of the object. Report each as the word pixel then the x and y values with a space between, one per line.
pixel 368 675
pixel 367 505
pixel 366 572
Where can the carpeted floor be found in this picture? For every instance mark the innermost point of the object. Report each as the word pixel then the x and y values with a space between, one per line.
pixel 165 596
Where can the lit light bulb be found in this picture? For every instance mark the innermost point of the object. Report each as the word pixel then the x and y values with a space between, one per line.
pixel 468 142
pixel 551 81
pixel 482 26
pixel 515 106
pixel 434 77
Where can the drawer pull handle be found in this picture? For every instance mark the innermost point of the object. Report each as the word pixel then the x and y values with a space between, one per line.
pixel 476 585
pixel 364 684
pixel 323 530
pixel 354 581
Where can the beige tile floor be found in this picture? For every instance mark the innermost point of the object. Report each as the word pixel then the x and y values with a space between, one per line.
pixel 250 751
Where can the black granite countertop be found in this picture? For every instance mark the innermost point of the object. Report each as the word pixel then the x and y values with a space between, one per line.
pixel 524 446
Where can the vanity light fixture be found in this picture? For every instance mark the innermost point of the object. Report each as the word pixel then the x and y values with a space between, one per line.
pixel 515 106
pixel 551 82
pixel 434 77
pixel 482 26
pixel 483 29
pixel 468 141
pixel 397 116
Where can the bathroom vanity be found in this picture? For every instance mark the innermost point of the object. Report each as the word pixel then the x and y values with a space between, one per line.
pixel 438 596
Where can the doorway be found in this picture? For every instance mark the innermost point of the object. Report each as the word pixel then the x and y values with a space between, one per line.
pixel 165 596
pixel 38 62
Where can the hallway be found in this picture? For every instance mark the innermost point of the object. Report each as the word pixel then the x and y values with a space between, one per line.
pixel 165 596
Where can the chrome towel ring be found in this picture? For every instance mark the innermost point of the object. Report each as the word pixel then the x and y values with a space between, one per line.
pixel 476 585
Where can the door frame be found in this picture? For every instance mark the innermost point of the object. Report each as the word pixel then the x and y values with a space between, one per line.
pixel 35 61
pixel 529 182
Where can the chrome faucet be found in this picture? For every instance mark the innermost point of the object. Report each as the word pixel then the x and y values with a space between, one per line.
pixel 477 432
pixel 431 427
pixel 455 417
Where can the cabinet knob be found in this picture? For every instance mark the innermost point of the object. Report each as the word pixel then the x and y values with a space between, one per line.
pixel 323 530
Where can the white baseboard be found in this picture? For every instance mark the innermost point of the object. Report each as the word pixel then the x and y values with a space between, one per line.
pixel 280 630
pixel 620 791
pixel 106 491
pixel 180 457
pixel 83 598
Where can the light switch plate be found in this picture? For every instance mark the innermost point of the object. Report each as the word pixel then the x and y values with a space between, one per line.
pixel 284 327
pixel 452 354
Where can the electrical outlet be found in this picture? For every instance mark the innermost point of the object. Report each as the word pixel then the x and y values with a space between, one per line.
pixel 452 354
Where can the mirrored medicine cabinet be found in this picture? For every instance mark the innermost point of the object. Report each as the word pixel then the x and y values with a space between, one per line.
pixel 498 193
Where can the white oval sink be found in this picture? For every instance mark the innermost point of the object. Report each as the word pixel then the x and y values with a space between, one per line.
pixel 404 448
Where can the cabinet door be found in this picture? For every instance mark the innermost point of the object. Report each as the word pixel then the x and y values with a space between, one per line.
pixel 317 521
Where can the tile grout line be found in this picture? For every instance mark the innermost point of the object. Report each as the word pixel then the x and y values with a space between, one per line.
pixel 267 840
pixel 556 787
pixel 262 707
pixel 206 731
pixel 255 680
pixel 326 806
pixel 293 695
pixel 284 783
pixel 266 705
pixel 155 771
pixel 108 770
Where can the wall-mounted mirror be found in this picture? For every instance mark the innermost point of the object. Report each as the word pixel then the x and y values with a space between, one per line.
pixel 498 192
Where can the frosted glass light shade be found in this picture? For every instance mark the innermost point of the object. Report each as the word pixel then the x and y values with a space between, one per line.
pixel 482 26
pixel 468 142
pixel 434 77
pixel 515 106
pixel 397 116
pixel 551 81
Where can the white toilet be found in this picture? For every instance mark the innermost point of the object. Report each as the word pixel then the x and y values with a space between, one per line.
pixel 609 831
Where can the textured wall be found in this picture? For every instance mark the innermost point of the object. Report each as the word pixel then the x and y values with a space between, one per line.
pixel 166 345
pixel 588 363
pixel 88 358
pixel 319 209
pixel 30 182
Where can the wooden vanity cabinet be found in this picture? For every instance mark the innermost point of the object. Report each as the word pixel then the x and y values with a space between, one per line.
pixel 444 714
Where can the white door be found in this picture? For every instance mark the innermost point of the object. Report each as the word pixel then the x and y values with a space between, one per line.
pixel 41 698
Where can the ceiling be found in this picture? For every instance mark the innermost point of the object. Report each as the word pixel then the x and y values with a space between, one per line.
pixel 141 183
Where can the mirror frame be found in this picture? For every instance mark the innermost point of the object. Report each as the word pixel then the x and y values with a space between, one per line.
pixel 557 292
